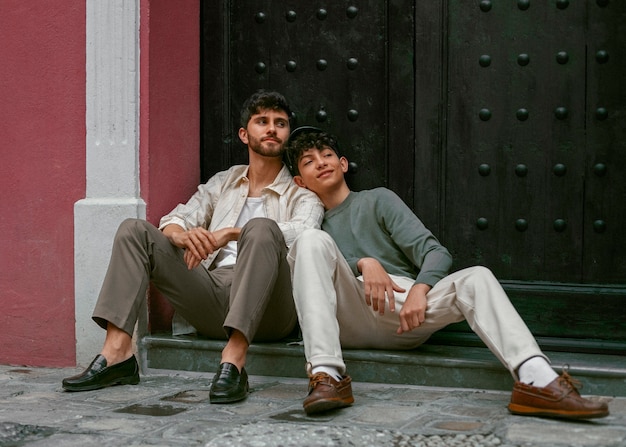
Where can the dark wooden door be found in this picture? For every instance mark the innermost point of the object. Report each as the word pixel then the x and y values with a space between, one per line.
pixel 502 124
pixel 341 66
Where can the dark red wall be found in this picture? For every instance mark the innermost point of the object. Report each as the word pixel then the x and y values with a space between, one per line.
pixel 42 140
pixel 170 114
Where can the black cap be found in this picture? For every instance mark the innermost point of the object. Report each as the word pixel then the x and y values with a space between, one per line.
pixel 304 129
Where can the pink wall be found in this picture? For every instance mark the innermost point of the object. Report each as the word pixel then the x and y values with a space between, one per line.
pixel 42 140
pixel 170 114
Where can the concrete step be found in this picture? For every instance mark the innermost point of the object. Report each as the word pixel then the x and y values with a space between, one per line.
pixel 431 364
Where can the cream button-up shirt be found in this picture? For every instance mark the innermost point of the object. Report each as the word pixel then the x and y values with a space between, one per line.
pixel 218 203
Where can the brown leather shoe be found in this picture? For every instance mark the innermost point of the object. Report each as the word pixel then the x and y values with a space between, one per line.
pixel 325 393
pixel 559 399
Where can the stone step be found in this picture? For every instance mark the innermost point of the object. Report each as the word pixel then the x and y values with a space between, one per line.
pixel 431 364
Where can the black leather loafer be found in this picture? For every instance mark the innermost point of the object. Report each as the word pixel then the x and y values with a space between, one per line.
pixel 228 385
pixel 98 375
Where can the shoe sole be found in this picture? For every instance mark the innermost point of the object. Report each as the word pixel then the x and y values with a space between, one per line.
pixel 229 399
pixel 122 381
pixel 321 406
pixel 524 410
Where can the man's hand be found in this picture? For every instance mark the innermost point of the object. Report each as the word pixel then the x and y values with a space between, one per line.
pixel 413 312
pixel 378 285
pixel 198 242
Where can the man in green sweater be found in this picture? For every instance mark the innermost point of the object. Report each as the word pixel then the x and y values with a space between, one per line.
pixel 377 278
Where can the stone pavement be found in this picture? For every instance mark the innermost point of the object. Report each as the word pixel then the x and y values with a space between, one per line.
pixel 172 409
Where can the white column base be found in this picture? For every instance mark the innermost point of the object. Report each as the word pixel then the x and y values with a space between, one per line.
pixel 95 224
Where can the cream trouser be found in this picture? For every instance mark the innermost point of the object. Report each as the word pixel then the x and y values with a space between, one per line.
pixel 333 313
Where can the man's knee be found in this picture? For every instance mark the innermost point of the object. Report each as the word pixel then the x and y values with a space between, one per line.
pixel 312 240
pixel 485 274
pixel 261 229
pixel 130 227
pixel 134 233
pixel 312 236
pixel 480 277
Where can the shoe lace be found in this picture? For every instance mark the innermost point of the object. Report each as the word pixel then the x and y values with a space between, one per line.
pixel 568 381
pixel 316 379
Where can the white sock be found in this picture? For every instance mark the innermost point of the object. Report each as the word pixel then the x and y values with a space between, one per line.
pixel 330 370
pixel 536 371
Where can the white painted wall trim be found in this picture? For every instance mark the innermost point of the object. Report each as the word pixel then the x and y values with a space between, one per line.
pixel 112 146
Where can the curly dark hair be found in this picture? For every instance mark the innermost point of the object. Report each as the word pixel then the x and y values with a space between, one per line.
pixel 263 100
pixel 317 139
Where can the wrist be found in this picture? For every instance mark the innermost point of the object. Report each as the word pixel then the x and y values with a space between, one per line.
pixel 361 263
pixel 233 233
pixel 422 288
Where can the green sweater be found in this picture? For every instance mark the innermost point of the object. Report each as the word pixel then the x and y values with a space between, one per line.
pixel 378 224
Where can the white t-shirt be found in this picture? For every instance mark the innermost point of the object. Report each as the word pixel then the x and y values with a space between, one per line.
pixel 252 208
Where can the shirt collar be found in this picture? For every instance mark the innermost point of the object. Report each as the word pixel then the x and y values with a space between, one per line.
pixel 280 184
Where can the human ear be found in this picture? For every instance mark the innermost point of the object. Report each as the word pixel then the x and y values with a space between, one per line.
pixel 243 135
pixel 343 161
pixel 299 181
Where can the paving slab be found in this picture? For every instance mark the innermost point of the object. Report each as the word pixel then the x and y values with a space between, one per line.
pixel 171 408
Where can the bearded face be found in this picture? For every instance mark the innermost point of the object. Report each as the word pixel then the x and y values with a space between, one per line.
pixel 267 133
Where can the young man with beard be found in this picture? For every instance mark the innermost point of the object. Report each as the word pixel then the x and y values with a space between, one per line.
pixel 377 278
pixel 220 259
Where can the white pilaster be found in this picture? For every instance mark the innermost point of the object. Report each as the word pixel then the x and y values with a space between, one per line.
pixel 112 145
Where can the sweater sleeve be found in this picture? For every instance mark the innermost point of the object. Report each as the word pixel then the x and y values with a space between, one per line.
pixel 412 238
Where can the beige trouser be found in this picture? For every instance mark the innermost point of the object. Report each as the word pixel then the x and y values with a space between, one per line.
pixel 333 313
pixel 253 297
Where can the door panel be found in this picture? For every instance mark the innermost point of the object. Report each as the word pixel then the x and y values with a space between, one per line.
pixel 605 163
pixel 332 63
pixel 514 165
